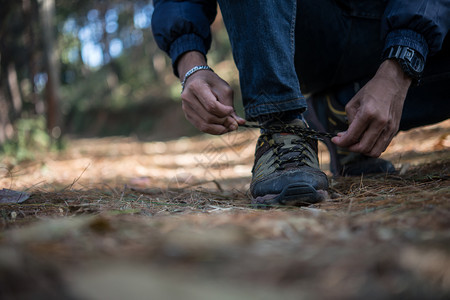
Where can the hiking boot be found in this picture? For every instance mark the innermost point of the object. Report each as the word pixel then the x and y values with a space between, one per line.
pixel 286 169
pixel 325 113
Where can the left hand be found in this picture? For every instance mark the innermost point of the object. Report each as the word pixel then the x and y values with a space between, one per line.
pixel 207 100
pixel 374 113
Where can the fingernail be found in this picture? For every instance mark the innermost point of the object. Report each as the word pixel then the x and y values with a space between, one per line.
pixel 237 118
pixel 233 127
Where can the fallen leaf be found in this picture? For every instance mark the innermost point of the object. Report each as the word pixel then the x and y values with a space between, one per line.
pixel 10 196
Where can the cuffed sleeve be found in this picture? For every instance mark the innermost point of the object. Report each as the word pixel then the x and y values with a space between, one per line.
pixel 182 26
pixel 409 38
pixel 419 24
pixel 187 42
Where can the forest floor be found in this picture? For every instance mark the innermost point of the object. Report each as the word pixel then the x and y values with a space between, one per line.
pixel 116 218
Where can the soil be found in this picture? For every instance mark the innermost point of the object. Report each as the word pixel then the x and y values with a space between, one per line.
pixel 118 218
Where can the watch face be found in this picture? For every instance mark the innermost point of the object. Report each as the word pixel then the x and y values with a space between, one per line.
pixel 409 54
pixel 417 64
pixel 411 61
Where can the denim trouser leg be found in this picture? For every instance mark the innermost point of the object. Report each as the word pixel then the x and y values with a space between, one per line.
pixel 262 38
pixel 341 46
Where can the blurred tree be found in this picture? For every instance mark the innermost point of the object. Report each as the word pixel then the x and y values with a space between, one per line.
pixel 9 91
pixel 51 59
pixel 65 59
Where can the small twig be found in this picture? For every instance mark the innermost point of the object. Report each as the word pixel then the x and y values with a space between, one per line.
pixel 349 206
pixel 139 198
pixel 76 180
pixel 217 185
pixel 123 192
pixel 34 185
pixel 361 186
pixel 150 191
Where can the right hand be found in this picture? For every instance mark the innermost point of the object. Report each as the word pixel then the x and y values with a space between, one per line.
pixel 375 111
pixel 207 100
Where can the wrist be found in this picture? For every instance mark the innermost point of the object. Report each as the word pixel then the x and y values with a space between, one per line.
pixel 410 61
pixel 392 70
pixel 189 60
pixel 191 72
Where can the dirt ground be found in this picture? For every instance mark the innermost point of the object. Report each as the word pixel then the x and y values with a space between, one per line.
pixel 117 218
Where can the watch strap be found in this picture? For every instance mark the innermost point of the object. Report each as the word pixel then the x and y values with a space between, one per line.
pixel 410 60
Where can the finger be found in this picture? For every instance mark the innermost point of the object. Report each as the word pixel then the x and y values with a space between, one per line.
pixel 382 144
pixel 238 119
pixel 224 93
pixel 353 133
pixel 225 96
pixel 192 104
pixel 377 131
pixel 231 123
pixel 200 124
pixel 210 102
pixel 195 107
pixel 379 147
pixel 369 139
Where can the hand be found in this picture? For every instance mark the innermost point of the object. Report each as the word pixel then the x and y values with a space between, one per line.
pixel 207 100
pixel 374 113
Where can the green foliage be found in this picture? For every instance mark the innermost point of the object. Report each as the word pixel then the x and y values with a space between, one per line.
pixel 30 139
pixel 138 76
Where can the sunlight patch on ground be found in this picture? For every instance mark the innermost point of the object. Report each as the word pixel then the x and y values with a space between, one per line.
pixel 118 160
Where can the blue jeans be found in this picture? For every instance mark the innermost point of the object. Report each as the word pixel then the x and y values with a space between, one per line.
pixel 320 46
pixel 262 36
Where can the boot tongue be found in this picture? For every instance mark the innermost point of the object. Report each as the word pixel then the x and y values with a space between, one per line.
pixel 287 138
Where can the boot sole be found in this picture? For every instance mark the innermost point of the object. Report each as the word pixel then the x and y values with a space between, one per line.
pixel 295 194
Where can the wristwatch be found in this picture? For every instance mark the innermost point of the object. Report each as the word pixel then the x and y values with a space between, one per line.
pixel 411 61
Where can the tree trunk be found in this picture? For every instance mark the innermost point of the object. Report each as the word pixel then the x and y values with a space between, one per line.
pixel 47 18
pixel 30 15
pixel 6 128
pixel 14 89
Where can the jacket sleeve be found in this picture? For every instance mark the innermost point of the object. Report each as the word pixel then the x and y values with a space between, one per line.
pixel 179 26
pixel 419 24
